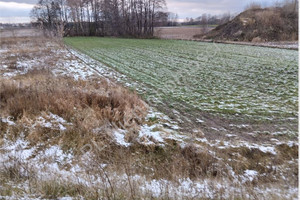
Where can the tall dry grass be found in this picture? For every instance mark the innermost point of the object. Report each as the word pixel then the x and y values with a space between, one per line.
pixel 70 99
pixel 87 105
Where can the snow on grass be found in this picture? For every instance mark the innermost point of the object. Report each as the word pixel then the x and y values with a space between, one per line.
pixel 10 74
pixel 200 121
pixel 42 161
pixel 19 149
pixel 65 198
pixel 212 189
pixel 56 153
pixel 179 71
pixel 49 164
pixel 8 120
pixel 47 120
pixel 249 175
pixel 21 67
pixel 265 148
pixel 239 126
pixel 230 135
pixel 161 119
pixel 147 132
pixel 66 63
pixel 77 69
pixel 157 134
pixel 51 121
pixel 46 164
pixel 184 188
pixel 284 133
pixel 16 197
pixel 119 136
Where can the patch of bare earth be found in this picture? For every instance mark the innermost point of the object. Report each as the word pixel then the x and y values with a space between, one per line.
pixel 180 33
pixel 68 132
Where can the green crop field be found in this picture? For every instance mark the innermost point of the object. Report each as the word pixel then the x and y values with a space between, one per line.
pixel 256 83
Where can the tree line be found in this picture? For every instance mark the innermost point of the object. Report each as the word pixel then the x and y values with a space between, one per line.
pixel 128 18
pixel 208 19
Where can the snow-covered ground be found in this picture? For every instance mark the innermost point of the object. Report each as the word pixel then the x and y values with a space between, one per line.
pixel 53 163
pixel 50 164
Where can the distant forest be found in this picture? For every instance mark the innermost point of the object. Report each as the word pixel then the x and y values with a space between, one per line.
pixel 128 18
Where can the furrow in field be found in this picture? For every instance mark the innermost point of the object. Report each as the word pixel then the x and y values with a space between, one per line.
pixel 226 80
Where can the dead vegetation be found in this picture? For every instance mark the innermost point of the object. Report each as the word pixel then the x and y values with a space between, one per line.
pixel 87 105
pixel 93 109
pixel 169 163
pixel 20 54
pixel 258 24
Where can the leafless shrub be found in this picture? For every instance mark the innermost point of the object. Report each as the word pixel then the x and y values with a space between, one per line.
pixel 290 7
pixel 270 18
pixel 253 6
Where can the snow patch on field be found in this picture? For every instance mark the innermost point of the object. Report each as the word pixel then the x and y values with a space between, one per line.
pixel 19 149
pixel 184 188
pixel 152 136
pixel 249 175
pixel 46 120
pixel 8 120
pixel 265 148
pixel 51 121
pixel 51 164
pixel 119 136
pixel 77 69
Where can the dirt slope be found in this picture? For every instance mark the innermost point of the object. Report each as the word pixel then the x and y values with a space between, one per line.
pixel 258 25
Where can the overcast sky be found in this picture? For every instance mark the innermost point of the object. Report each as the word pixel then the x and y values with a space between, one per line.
pixel 18 10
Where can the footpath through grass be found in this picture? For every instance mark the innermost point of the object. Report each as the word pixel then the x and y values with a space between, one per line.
pixel 256 83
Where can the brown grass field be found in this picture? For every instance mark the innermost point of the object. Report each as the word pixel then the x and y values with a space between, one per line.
pixel 182 32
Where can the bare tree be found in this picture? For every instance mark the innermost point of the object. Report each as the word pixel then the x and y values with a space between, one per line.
pixel 135 18
pixel 49 15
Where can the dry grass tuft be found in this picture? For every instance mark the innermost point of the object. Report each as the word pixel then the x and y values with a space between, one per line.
pixel 87 105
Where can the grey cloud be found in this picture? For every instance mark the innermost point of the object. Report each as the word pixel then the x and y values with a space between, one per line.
pixel 195 8
pixel 22 1
pixel 14 13
pixel 185 8
pixel 13 9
